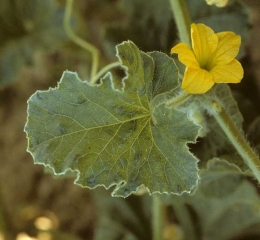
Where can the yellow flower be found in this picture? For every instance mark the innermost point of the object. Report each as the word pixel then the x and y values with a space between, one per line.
pixel 211 59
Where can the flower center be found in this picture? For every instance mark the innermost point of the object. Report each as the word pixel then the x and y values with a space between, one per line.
pixel 206 64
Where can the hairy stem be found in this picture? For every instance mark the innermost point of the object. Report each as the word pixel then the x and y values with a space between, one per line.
pixel 178 100
pixel 79 41
pixel 157 218
pixel 182 18
pixel 237 139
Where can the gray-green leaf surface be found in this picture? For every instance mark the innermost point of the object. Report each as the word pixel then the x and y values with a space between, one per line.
pixel 111 137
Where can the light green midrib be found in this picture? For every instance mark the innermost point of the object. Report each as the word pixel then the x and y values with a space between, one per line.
pixel 121 123
pixel 126 103
pixel 128 147
pixel 88 129
pixel 98 154
pixel 139 60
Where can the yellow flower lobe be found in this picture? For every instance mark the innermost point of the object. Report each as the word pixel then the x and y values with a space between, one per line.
pixel 210 60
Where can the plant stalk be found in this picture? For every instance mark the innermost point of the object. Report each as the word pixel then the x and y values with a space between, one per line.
pixel 157 218
pixel 79 41
pixel 182 18
pixel 237 139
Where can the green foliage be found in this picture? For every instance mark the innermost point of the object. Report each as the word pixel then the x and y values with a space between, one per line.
pixel 225 204
pixel 25 30
pixel 123 219
pixel 120 133
pixel 150 27
pixel 117 137
pixel 215 141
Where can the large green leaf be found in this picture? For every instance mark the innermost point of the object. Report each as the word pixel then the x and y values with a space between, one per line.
pixel 113 137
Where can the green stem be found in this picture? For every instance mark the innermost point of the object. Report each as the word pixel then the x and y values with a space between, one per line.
pixel 103 71
pixel 178 100
pixel 182 18
pixel 236 138
pixel 184 218
pixel 157 218
pixel 79 41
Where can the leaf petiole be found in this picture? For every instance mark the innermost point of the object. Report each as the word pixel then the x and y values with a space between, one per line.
pixel 178 100
pixel 79 41
pixel 103 71
pixel 236 138
pixel 94 76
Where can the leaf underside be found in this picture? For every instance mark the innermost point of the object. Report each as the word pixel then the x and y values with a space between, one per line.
pixel 125 138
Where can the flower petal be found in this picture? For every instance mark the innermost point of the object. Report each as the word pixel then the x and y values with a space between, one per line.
pixel 228 73
pixel 197 80
pixel 185 54
pixel 204 42
pixel 228 48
